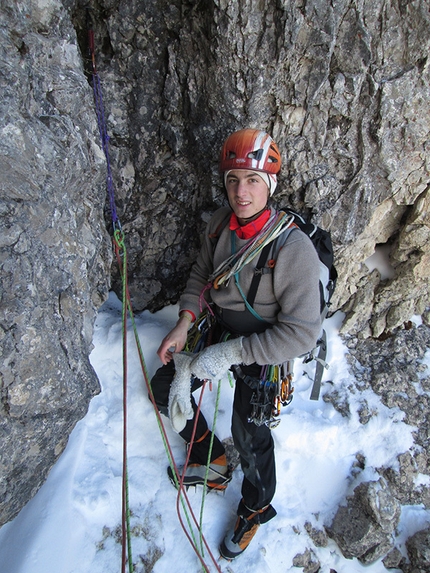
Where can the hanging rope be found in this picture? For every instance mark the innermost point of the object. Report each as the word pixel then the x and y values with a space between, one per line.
pixel 125 523
pixel 119 245
pixel 104 137
pixel 121 255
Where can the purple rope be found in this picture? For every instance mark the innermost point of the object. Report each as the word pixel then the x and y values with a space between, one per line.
pixel 98 98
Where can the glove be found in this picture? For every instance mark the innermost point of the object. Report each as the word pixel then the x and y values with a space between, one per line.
pixel 212 362
pixel 180 408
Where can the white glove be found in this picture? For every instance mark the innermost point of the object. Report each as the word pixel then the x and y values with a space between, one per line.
pixel 212 362
pixel 180 408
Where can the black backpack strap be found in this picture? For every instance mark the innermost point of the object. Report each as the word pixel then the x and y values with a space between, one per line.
pixel 260 269
pixel 258 272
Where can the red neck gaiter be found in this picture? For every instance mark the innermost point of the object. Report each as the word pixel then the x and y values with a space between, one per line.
pixel 250 229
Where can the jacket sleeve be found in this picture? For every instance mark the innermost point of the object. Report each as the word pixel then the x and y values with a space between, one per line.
pixel 298 322
pixel 203 267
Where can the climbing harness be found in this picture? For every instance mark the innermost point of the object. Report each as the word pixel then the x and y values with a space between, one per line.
pixel 273 388
pixel 127 311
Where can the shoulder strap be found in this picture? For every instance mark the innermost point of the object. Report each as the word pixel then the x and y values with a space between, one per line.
pixel 259 269
pixel 220 227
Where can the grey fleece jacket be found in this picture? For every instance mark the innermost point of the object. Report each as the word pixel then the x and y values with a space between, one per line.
pixel 288 298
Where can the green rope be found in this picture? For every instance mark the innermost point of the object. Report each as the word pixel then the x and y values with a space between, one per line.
pixel 127 516
pixel 236 281
pixel 245 300
pixel 121 247
pixel 121 250
pixel 208 462
pixel 160 426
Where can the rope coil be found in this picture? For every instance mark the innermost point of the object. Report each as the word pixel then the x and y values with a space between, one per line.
pixel 274 227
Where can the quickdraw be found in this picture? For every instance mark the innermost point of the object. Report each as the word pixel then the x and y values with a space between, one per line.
pixel 201 334
pixel 262 402
pixel 271 391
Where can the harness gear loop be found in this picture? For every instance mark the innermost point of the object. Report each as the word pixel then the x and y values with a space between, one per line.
pixel 271 390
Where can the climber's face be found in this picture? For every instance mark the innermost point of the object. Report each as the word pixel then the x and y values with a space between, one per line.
pixel 247 192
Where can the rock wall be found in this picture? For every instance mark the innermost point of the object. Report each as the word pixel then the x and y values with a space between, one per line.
pixel 343 87
pixel 54 249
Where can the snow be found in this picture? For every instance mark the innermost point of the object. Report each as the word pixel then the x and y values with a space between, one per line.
pixel 72 525
pixel 380 260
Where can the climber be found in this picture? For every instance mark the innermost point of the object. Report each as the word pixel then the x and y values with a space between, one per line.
pixel 282 323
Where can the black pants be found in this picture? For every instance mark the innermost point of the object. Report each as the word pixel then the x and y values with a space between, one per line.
pixel 254 443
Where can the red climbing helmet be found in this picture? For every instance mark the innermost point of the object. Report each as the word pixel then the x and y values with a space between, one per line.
pixel 250 149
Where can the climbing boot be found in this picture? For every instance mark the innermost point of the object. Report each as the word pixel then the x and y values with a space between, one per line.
pixel 218 474
pixel 241 534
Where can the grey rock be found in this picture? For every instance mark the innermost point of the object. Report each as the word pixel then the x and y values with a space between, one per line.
pixel 394 368
pixel 342 89
pixel 363 528
pixel 404 481
pixel 418 547
pixel 308 561
pixel 394 560
pixel 318 536
pixel 54 249
pixel 340 401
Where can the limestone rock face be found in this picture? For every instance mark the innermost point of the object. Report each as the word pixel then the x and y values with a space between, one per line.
pixel 342 88
pixel 54 249
pixel 418 547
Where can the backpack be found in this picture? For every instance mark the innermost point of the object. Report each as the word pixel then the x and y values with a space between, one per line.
pixel 321 240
